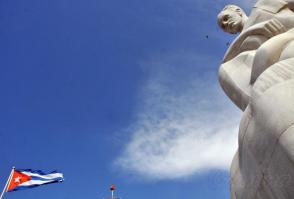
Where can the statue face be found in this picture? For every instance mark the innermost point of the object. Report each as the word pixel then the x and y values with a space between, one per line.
pixel 231 19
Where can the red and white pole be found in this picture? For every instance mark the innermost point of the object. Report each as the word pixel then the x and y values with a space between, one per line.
pixel 7 183
pixel 112 189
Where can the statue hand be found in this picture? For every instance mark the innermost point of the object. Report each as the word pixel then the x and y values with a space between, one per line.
pixel 272 28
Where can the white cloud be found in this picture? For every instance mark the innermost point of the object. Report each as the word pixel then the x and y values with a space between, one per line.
pixel 184 123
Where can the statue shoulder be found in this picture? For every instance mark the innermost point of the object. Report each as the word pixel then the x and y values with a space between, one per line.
pixel 272 6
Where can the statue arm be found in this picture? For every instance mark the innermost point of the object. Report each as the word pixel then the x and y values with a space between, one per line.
pixel 265 29
pixel 239 74
pixel 234 78
pixel 270 53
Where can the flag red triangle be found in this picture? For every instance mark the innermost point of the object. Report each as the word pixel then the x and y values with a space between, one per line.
pixel 17 179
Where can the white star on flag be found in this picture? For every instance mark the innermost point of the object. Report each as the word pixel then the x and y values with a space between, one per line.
pixel 17 179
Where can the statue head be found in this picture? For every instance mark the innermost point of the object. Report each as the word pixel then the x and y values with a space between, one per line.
pixel 232 19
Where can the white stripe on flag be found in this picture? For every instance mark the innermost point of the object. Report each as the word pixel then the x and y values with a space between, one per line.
pixel 48 176
pixel 35 182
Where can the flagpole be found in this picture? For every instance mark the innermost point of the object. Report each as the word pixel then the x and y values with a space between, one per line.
pixel 7 183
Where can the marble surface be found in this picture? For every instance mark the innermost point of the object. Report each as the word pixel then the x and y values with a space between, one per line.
pixel 257 74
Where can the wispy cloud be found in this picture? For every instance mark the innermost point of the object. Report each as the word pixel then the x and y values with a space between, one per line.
pixel 184 124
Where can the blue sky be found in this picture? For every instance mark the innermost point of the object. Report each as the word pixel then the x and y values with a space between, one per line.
pixel 120 92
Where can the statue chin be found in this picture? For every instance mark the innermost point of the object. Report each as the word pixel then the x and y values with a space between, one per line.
pixel 236 27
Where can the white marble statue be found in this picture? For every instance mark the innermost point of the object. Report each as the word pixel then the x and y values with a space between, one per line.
pixel 267 19
pixel 257 74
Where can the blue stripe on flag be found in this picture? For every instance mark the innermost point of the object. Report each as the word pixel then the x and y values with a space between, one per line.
pixel 31 186
pixel 38 171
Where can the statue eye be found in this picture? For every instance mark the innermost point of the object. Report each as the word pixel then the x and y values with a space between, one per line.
pixel 226 18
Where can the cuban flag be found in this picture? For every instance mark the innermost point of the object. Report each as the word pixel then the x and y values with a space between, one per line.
pixel 24 179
